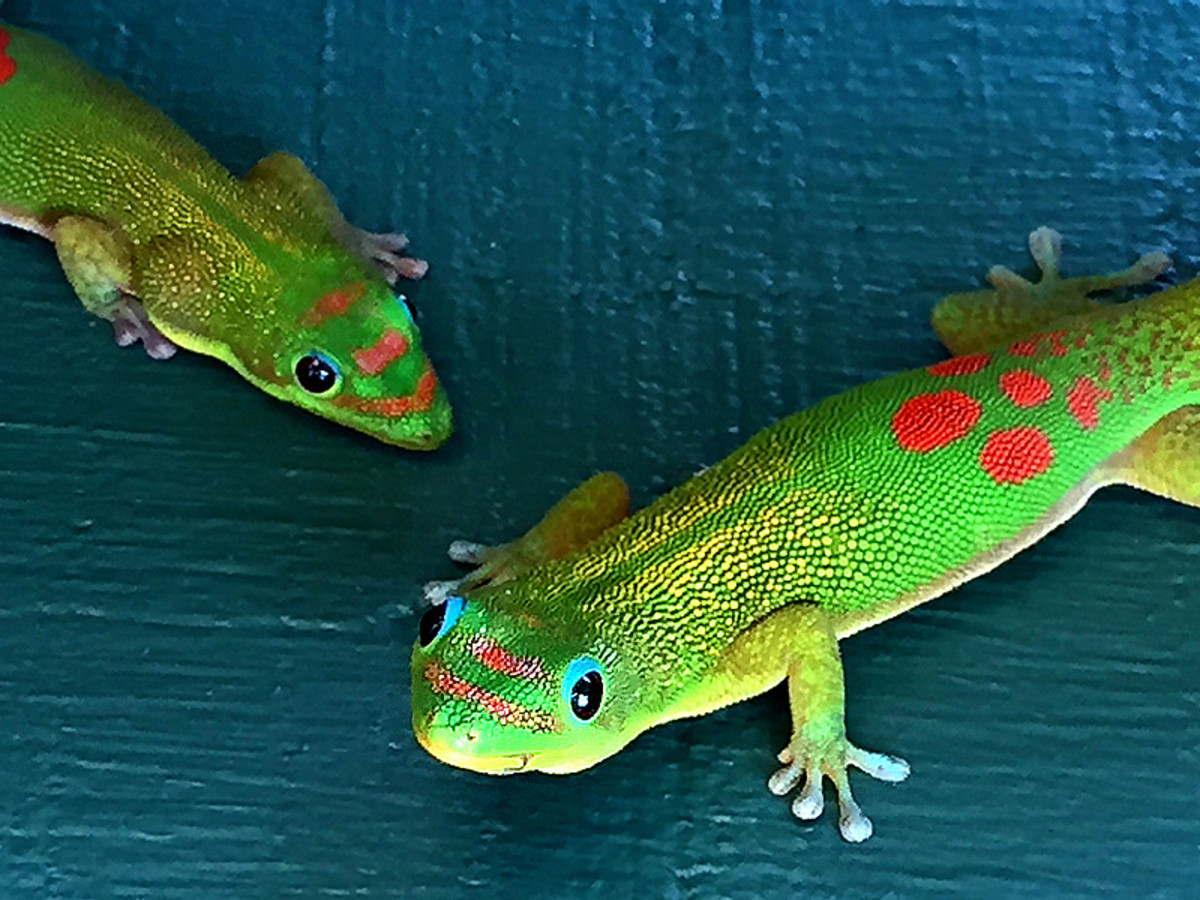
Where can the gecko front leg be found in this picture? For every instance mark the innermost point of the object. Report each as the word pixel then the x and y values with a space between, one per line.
pixel 819 748
pixel 576 520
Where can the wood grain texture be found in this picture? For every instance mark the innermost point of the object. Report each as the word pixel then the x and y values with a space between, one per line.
pixel 654 228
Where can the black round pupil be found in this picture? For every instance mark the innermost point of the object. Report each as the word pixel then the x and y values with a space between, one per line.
pixel 315 375
pixel 586 695
pixel 431 624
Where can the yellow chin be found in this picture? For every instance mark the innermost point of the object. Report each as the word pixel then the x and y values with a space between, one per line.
pixel 443 746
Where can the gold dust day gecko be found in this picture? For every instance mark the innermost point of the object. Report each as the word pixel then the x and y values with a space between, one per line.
pixel 262 273
pixel 830 521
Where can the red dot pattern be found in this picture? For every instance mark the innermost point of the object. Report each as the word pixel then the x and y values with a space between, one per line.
pixel 1025 389
pixel 927 422
pixel 1015 455
pixel 8 65
pixel 1032 345
pixel 961 365
pixel 1083 402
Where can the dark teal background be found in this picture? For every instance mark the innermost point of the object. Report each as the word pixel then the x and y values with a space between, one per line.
pixel 654 227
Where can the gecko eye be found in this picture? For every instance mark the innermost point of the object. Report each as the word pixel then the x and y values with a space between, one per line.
pixel 583 688
pixel 405 305
pixel 318 374
pixel 438 619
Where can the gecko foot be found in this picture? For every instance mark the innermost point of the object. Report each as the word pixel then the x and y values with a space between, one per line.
pixel 131 324
pixel 468 553
pixel 813 764
pixel 387 251
pixel 1045 246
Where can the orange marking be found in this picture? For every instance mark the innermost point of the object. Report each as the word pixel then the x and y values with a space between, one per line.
pixel 394 407
pixel 333 304
pixel 8 65
pixel 1016 455
pixel 929 421
pixel 389 348
pixel 1032 345
pixel 1083 402
pixel 1025 389
pixel 443 681
pixel 961 365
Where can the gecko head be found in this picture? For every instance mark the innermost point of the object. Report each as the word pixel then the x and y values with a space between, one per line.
pixel 497 689
pixel 352 353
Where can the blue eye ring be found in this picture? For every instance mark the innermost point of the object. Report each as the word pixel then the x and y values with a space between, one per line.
pixel 317 374
pixel 407 307
pixel 583 689
pixel 439 619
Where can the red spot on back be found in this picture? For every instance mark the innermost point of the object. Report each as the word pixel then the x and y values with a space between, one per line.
pixel 929 421
pixel 1083 402
pixel 390 347
pixel 1025 389
pixel 961 365
pixel 1032 345
pixel 8 65
pixel 394 407
pixel 333 304
pixel 496 658
pixel 1016 455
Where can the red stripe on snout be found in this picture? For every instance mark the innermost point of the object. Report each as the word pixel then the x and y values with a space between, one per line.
pixel 333 304
pixel 443 681
pixel 389 348
pixel 496 658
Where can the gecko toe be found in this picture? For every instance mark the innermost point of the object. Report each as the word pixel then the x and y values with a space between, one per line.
pixel 878 765
pixel 1045 246
pixel 468 553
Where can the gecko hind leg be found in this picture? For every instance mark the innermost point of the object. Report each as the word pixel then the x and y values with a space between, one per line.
pixel 1014 307
pixel 576 520
pixel 97 260
pixel 1165 460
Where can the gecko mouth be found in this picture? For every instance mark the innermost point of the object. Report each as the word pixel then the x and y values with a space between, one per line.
pixel 448 749
pixel 520 764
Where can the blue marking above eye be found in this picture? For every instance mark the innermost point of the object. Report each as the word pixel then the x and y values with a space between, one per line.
pixel 439 619
pixel 583 688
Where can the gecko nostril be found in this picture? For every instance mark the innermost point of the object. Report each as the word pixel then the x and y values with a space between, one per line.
pixel 472 735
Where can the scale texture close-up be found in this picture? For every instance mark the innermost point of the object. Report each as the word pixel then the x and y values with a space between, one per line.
pixel 653 228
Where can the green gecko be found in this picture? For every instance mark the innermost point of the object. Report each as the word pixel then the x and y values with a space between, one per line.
pixel 262 273
pixel 830 521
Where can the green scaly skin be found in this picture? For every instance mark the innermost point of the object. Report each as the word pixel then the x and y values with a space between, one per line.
pixel 262 273
pixel 826 523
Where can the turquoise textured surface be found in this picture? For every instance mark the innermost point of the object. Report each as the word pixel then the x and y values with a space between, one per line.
pixel 654 227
